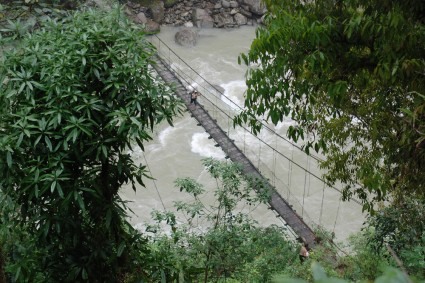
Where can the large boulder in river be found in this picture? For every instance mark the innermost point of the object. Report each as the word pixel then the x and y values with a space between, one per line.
pixel 201 18
pixel 186 37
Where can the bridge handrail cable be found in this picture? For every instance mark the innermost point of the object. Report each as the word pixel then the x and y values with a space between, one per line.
pixel 243 127
pixel 237 105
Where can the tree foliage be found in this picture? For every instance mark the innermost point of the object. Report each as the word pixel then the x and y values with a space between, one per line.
pixel 20 17
pixel 74 97
pixel 351 75
pixel 204 240
pixel 394 227
pixel 219 240
pixel 319 275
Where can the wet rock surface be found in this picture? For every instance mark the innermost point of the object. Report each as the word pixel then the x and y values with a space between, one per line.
pixel 186 37
pixel 197 13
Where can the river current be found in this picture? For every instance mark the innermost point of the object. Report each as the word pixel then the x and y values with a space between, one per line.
pixel 177 151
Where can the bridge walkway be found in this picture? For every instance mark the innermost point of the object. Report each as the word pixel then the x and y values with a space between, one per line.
pixel 277 203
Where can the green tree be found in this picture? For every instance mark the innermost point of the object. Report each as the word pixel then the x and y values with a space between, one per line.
pixel 19 17
pixel 351 75
pixel 395 227
pixel 364 260
pixel 389 274
pixel 219 239
pixel 75 96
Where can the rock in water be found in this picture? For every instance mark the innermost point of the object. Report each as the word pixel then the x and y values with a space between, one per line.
pixel 186 37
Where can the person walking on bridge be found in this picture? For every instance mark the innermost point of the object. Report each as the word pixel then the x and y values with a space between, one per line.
pixel 193 97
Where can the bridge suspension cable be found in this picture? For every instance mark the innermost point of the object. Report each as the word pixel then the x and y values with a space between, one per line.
pixel 229 99
pixel 228 113
pixel 154 182
pixel 181 73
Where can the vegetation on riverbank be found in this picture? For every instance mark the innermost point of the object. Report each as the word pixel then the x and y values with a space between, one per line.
pixel 350 74
pixel 75 92
pixel 75 95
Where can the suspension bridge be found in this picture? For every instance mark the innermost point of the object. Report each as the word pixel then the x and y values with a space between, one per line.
pixel 215 114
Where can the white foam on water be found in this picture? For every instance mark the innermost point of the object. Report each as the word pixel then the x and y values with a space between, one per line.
pixel 233 93
pixel 204 147
pixel 284 125
pixel 168 134
pixel 215 58
pixel 233 64
pixel 136 153
pixel 164 135
pixel 205 70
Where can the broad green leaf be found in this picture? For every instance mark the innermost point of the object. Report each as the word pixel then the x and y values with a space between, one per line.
pixel 64 88
pixel 105 151
pixel 21 88
pixel 48 143
pixel 79 200
pixel 121 248
pixel 9 159
pixel 96 72
pixel 60 191
pixel 53 186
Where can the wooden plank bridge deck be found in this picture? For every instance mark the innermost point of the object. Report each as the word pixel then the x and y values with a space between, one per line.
pixel 277 203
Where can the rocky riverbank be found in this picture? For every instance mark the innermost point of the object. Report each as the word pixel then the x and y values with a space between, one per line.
pixel 195 13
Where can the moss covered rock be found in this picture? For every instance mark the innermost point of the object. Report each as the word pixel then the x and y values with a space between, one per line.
pixel 169 3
